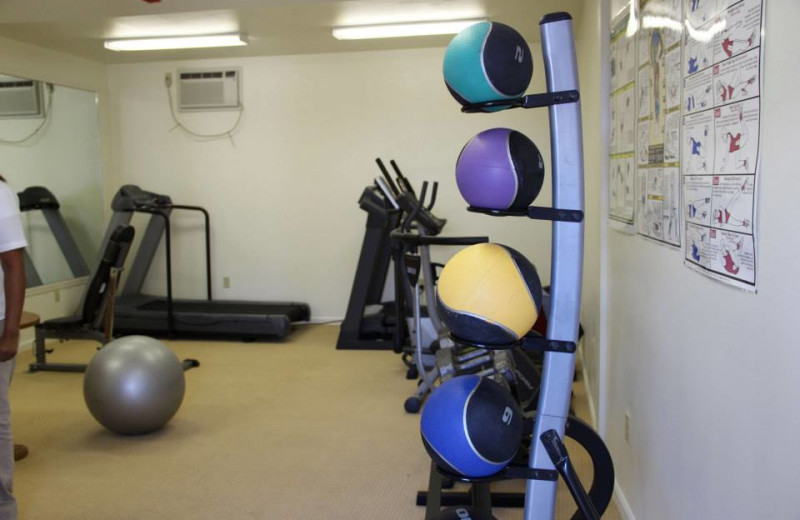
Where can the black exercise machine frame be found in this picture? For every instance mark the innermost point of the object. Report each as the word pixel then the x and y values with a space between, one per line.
pixel 174 317
pixel 598 497
pixel 160 211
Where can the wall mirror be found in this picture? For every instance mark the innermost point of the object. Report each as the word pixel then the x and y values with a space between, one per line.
pixel 50 138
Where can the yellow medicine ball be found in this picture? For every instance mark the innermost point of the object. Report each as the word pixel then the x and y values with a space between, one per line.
pixel 489 294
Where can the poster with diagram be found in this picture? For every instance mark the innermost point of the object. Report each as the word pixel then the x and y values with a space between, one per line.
pixel 622 167
pixel 721 117
pixel 658 101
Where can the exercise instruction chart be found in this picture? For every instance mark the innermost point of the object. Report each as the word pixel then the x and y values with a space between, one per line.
pixel 721 117
pixel 658 101
pixel 623 127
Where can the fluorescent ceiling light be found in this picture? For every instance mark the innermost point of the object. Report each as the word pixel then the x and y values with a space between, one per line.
pixel 176 42
pixel 394 30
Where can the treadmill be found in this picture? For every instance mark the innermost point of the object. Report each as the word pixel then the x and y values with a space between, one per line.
pixel 41 199
pixel 167 316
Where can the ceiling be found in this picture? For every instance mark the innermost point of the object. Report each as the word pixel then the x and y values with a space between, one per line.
pixel 273 27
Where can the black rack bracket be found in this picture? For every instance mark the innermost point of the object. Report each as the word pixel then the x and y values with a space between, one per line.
pixel 531 342
pixel 534 212
pixel 545 99
pixel 554 214
pixel 485 346
pixel 540 344
pixel 510 472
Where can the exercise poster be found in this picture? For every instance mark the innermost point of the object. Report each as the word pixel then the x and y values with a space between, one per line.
pixel 685 130
pixel 721 115
pixel 658 101
pixel 623 127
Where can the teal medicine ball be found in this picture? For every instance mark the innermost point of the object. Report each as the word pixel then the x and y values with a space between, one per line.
pixel 487 61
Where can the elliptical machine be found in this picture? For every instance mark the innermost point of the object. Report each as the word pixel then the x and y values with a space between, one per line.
pixel 433 357
pixel 441 359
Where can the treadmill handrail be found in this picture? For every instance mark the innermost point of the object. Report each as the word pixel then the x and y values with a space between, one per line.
pixel 160 211
pixel 168 244
pixel 207 219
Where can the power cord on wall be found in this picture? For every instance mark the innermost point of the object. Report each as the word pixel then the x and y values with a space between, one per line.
pixel 36 131
pixel 221 135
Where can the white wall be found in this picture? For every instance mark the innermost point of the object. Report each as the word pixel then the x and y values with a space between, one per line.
pixel 594 92
pixel 283 194
pixel 709 373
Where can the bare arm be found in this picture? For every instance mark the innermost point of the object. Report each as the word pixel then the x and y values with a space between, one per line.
pixel 13 265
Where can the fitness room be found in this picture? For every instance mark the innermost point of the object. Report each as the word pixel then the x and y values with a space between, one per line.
pixel 271 275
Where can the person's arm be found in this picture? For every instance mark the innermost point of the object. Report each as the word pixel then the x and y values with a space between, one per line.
pixel 13 265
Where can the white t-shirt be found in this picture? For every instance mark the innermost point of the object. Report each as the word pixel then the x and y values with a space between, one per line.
pixel 11 233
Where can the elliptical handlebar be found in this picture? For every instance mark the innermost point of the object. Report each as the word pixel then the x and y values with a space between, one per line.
pixel 433 195
pixel 420 204
pixel 402 179
pixel 413 240
pixel 388 177
pixel 406 199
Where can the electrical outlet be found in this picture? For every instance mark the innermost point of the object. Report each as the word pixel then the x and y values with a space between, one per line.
pixel 226 282
pixel 168 79
pixel 627 426
pixel 57 295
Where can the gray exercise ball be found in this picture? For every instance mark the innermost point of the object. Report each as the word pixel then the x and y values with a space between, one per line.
pixel 134 385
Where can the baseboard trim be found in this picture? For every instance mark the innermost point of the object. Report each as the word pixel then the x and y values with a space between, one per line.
pixel 622 502
pixel 588 386
pixel 619 496
pixel 29 344
pixel 51 287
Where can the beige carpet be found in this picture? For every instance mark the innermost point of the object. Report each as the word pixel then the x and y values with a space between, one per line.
pixel 271 431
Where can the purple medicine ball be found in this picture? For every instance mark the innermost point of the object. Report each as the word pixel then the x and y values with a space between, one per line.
pixel 500 169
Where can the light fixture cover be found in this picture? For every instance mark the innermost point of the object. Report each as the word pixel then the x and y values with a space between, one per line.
pixel 394 30
pixel 177 42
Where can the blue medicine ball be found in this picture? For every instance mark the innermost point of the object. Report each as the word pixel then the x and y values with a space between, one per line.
pixel 463 513
pixel 471 426
pixel 487 61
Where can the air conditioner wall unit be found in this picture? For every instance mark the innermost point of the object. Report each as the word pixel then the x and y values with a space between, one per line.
pixel 20 97
pixel 209 89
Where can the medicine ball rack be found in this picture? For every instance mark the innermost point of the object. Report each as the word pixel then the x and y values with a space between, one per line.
pixel 548 457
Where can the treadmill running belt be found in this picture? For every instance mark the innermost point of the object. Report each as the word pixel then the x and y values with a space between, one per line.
pixel 293 312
